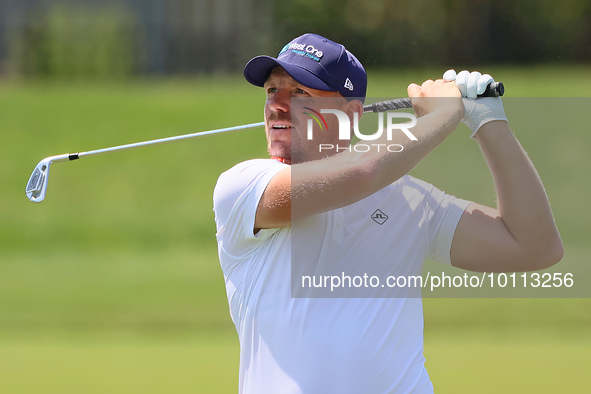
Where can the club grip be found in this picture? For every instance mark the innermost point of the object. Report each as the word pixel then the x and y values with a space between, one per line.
pixel 390 105
pixel 494 89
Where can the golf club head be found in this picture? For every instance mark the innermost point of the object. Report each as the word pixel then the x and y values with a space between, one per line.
pixel 37 184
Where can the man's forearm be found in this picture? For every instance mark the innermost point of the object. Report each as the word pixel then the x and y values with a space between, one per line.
pixel 522 200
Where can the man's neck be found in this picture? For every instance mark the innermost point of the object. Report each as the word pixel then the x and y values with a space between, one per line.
pixel 282 160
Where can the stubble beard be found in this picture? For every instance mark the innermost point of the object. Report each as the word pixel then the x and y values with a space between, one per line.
pixel 289 151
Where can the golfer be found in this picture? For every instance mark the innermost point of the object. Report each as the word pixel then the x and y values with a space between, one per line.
pixel 306 211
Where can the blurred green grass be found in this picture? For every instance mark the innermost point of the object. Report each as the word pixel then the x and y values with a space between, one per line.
pixel 114 278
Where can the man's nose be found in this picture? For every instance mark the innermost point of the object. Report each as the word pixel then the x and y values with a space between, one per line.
pixel 280 101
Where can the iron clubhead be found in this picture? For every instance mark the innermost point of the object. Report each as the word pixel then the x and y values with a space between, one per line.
pixel 37 184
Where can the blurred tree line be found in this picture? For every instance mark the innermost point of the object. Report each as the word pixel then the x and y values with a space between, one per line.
pixel 66 42
pixel 102 38
pixel 440 32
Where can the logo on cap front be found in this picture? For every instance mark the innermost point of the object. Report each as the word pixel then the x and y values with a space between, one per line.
pixel 348 84
pixel 303 50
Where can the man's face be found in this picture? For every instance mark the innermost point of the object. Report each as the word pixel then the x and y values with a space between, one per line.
pixel 286 126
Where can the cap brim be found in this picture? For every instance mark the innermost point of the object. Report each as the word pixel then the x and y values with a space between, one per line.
pixel 258 69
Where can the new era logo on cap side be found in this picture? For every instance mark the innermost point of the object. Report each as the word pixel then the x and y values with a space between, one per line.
pixel 349 84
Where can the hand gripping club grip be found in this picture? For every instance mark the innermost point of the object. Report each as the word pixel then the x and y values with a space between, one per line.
pixel 494 89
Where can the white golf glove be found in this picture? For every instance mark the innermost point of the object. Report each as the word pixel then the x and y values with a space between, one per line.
pixel 477 111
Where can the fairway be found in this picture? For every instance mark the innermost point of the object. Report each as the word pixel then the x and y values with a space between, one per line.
pixel 204 364
pixel 209 364
pixel 507 366
pixel 112 284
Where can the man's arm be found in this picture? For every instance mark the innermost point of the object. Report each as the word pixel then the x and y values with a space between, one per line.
pixel 521 234
pixel 347 177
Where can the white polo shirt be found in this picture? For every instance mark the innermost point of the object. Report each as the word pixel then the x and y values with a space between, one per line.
pixel 298 337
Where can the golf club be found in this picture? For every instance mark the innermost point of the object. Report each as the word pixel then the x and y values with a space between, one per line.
pixel 37 185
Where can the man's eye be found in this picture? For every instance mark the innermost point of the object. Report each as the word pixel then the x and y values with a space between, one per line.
pixel 271 90
pixel 300 91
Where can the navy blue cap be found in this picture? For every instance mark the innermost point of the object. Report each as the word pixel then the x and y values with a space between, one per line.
pixel 315 62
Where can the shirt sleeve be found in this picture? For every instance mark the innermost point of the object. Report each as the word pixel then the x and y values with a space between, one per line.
pixel 443 212
pixel 235 201
pixel 443 226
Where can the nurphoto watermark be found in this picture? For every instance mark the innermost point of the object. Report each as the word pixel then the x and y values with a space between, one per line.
pixel 344 127
pixel 322 118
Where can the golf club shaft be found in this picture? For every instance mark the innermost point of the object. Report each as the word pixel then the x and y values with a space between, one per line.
pixel 391 105
pixel 494 89
pixel 74 156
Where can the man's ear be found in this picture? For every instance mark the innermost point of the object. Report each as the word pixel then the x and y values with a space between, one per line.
pixel 354 106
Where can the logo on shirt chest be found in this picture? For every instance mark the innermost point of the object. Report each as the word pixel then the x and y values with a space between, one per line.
pixel 379 217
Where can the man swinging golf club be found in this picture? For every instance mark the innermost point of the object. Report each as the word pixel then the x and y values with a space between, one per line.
pixel 305 212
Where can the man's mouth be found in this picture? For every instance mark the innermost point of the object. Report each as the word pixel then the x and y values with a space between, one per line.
pixel 280 126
